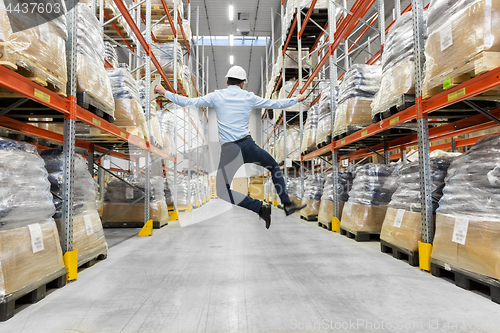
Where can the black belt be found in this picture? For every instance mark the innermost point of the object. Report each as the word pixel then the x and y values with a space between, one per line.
pixel 238 141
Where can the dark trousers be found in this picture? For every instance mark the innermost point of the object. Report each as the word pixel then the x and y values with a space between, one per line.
pixel 233 156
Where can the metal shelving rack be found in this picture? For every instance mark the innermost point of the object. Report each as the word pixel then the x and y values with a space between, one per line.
pixel 373 139
pixel 53 105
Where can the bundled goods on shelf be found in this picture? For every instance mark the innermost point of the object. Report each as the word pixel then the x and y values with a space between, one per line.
pixel 186 195
pixel 29 241
pixel 310 128
pixel 398 69
pixel 275 73
pixel 187 84
pixel 462 41
pixel 154 135
pixel 294 189
pixel 313 190
pixel 325 113
pixel 112 11
pixel 402 223
pixel 285 90
pixel 168 193
pixel 166 120
pixel 186 26
pixel 128 111
pixel 356 94
pixel 128 201
pixel 163 32
pixel 164 53
pixel 292 59
pixel 88 235
pixel 326 209
pixel 90 72
pixel 291 141
pixel 372 190
pixel 37 51
pixel 291 7
pixel 158 5
pixel 268 189
pixel 110 54
pixel 467 220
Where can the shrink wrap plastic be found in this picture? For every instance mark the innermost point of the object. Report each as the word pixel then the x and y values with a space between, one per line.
pixel 310 128
pixel 293 187
pixel 90 72
pixel 170 4
pixel 88 234
pixel 164 53
pixel 284 91
pixel 162 31
pixel 402 224
pixel 458 34
pixel 325 113
pixel 468 218
pixel 356 94
pixel 398 69
pixel 313 190
pixel 292 59
pixel 110 54
pixel 40 49
pixel 25 200
pixel 371 192
pixel 128 111
pixel 326 209
pixel 25 196
pixel 407 196
pixel 186 196
pixel 292 138
pixel 166 120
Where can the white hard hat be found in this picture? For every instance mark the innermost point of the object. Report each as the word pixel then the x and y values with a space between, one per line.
pixel 237 72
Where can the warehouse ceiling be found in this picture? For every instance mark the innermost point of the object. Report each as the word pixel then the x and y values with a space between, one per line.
pixel 214 21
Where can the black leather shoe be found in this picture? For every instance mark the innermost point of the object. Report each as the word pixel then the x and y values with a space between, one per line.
pixel 265 214
pixel 291 208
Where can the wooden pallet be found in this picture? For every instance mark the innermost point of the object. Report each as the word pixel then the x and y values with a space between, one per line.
pixel 359 236
pixel 398 104
pixel 325 143
pixel 308 150
pixel 86 101
pixel 325 225
pixel 17 62
pixel 309 218
pixel 484 62
pixel 467 280
pixel 350 129
pixel 400 253
pixel 156 224
pixel 30 294
pixel 157 12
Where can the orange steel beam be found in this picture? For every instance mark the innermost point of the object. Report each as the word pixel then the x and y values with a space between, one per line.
pixel 292 28
pixel 108 17
pixel 41 133
pixel 169 17
pixel 306 19
pixel 183 34
pixel 107 64
pixel 316 100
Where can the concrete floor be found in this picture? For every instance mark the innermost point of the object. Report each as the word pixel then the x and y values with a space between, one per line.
pixel 229 274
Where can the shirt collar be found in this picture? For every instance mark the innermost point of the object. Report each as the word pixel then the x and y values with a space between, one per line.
pixel 234 87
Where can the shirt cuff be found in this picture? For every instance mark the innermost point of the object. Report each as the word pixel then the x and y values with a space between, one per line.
pixel 296 99
pixel 166 93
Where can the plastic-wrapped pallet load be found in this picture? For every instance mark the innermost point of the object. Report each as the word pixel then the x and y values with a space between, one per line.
pixel 468 217
pixel 356 94
pixel 164 53
pixel 183 194
pixel 128 111
pixel 324 133
pixel 119 196
pixel 398 69
pixel 158 5
pixel 88 235
pixel 268 189
pixel 110 54
pixel 292 151
pixel 372 189
pixel 166 120
pixel 326 210
pixel 313 190
pixel 463 39
pixel 402 223
pixel 90 72
pixel 293 186
pixel 37 51
pixel 310 129
pixel 292 59
pixel 29 241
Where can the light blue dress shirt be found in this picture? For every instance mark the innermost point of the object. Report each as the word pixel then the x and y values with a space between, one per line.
pixel 233 106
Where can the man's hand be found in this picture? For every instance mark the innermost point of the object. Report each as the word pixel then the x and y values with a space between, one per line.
pixel 301 97
pixel 160 90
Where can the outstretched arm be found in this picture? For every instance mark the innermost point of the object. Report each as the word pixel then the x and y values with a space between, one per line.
pixel 204 101
pixel 277 103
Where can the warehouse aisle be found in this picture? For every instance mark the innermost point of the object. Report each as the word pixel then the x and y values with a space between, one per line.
pixel 230 274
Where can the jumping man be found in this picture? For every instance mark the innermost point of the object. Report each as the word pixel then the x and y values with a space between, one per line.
pixel 233 106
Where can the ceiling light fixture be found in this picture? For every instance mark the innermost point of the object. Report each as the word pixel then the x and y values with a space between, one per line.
pixel 231 60
pixel 231 13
